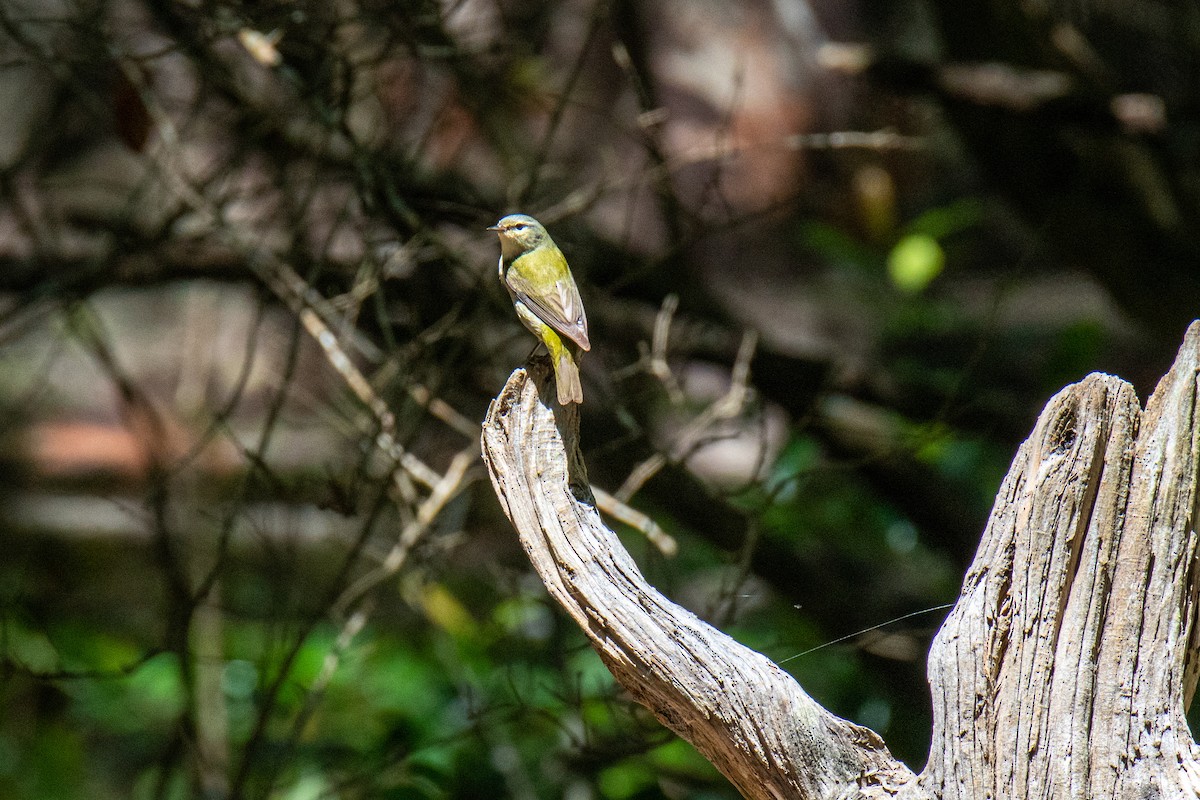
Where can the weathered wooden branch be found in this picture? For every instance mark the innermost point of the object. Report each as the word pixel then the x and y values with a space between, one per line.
pixel 1063 671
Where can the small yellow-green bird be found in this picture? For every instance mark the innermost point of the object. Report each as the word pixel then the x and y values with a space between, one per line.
pixel 547 300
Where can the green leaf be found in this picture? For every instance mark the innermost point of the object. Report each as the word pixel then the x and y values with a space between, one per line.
pixel 914 262
pixel 947 220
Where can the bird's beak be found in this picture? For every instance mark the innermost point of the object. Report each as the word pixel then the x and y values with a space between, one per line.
pixel 493 228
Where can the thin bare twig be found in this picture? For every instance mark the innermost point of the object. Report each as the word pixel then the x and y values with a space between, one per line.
pixel 446 489
pixel 623 512
pixel 695 434
pixel 656 359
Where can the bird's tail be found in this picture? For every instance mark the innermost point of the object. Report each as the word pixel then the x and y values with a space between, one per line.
pixel 566 368
pixel 566 376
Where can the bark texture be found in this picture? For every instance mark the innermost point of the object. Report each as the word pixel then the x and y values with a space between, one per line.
pixel 1063 671
pixel 744 713
pixel 1068 662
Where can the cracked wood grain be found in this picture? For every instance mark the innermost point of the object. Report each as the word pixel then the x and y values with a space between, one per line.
pixel 1063 671
pixel 744 713
pixel 1067 664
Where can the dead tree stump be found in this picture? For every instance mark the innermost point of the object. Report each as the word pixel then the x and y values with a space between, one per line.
pixel 1063 671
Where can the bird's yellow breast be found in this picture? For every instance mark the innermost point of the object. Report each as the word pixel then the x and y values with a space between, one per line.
pixel 542 266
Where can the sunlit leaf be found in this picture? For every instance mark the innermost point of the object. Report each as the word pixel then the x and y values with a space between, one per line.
pixel 914 262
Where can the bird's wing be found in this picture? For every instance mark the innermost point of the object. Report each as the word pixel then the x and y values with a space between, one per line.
pixel 561 308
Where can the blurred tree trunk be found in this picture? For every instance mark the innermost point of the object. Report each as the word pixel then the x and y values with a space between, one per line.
pixel 1064 670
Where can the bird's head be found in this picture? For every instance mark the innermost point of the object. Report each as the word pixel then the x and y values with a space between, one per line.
pixel 518 234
